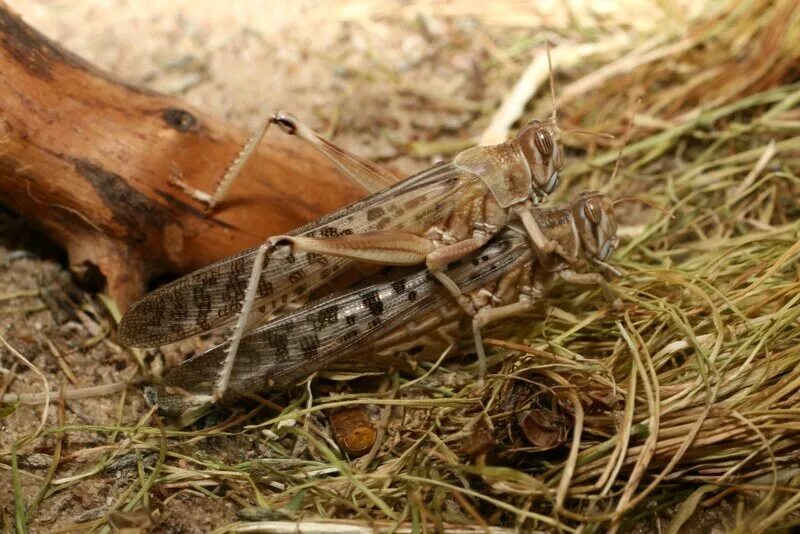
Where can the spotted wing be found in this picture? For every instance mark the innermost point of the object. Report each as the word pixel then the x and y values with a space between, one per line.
pixel 297 344
pixel 212 296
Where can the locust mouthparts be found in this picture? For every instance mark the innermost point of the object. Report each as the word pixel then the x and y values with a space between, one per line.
pixel 552 183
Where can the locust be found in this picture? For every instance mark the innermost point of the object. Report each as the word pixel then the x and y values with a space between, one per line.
pixel 433 218
pixel 504 278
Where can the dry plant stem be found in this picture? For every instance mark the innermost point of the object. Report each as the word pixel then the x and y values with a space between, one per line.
pixel 8 378
pixel 62 363
pixel 569 464
pixel 382 424
pixel 69 394
pixel 653 401
pixel 467 506
pixel 51 470
pixel 33 368
pixel 766 446
pixel 89 159
pixel 622 65
pixel 307 526
pixel 759 167
pixel 617 458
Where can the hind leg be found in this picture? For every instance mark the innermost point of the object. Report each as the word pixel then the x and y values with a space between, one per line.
pixel 363 172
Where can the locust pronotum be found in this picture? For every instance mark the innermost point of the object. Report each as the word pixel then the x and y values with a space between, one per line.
pixel 433 217
pixel 503 279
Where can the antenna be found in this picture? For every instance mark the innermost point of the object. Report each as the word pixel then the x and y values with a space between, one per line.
pixel 644 201
pixel 625 138
pixel 592 133
pixel 552 81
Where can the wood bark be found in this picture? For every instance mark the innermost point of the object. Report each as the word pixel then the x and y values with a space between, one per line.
pixel 88 158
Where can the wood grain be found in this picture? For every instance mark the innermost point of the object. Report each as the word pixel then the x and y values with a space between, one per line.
pixel 88 158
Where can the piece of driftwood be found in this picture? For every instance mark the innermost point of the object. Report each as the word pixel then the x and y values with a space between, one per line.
pixel 89 159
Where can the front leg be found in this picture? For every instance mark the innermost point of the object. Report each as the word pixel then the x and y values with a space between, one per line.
pixel 443 256
pixel 485 218
pixel 543 244
pixel 594 279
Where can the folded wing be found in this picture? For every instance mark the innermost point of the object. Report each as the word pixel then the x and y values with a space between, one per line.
pixel 212 296
pixel 307 340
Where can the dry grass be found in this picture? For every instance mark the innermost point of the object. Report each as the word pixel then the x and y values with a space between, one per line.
pixel 687 398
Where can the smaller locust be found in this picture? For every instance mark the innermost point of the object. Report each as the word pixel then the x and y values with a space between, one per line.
pixel 503 279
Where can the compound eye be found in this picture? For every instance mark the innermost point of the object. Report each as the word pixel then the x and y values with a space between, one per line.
pixel 544 143
pixel 593 211
pixel 552 183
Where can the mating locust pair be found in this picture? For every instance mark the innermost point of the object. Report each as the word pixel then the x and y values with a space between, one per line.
pixel 488 251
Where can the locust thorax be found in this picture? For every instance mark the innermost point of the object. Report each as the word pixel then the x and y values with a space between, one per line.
pixel 501 168
pixel 540 142
pixel 596 223
pixel 520 169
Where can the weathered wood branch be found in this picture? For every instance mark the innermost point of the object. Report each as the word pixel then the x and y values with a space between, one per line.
pixel 89 158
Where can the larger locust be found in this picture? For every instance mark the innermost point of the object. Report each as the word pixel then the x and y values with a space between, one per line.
pixel 504 278
pixel 434 217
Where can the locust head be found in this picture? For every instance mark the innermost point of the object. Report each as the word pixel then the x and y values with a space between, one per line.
pixel 540 142
pixel 596 222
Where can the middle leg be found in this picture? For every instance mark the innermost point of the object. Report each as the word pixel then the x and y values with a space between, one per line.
pixel 480 220
pixel 515 284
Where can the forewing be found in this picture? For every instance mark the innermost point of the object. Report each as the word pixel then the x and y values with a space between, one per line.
pixel 212 296
pixel 291 347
